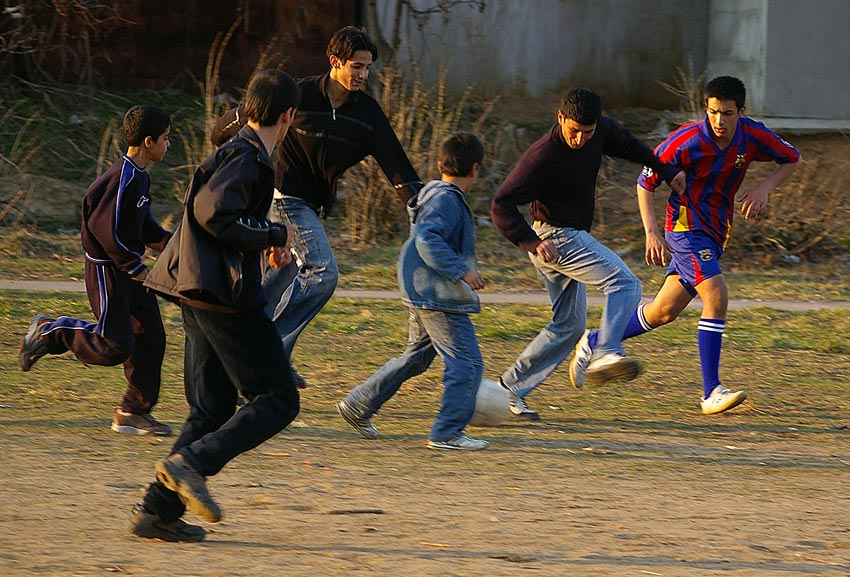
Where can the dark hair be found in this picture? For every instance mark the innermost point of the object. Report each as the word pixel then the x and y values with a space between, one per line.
pixel 582 105
pixel 459 152
pixel 727 88
pixel 142 121
pixel 346 41
pixel 270 94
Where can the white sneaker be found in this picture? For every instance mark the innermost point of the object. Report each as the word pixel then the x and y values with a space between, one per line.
pixel 721 399
pixel 580 361
pixel 612 367
pixel 459 443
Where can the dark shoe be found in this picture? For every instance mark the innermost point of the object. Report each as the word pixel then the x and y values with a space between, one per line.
pixel 33 346
pixel 150 526
pixel 363 426
pixel 519 408
pixel 176 474
pixel 299 380
pixel 138 424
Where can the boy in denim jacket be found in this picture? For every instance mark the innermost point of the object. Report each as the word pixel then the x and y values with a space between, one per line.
pixel 438 275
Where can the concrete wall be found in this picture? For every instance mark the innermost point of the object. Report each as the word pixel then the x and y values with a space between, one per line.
pixel 794 55
pixel 621 48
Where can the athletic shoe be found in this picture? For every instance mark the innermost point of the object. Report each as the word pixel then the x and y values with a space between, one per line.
pixel 721 399
pixel 363 426
pixel 459 443
pixel 138 424
pixel 612 367
pixel 519 408
pixel 151 526
pixel 580 361
pixel 176 474
pixel 33 346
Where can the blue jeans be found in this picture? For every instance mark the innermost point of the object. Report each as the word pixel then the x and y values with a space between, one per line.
pixel 225 355
pixel 582 260
pixel 452 336
pixel 298 292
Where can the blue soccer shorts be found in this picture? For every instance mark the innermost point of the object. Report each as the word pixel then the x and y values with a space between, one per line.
pixel 695 258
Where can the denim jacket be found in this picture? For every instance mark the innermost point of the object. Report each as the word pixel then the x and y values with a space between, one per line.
pixel 439 251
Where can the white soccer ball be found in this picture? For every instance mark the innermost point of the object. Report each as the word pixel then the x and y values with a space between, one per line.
pixel 491 405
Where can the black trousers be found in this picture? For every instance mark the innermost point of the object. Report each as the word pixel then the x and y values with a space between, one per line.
pixel 225 355
pixel 128 331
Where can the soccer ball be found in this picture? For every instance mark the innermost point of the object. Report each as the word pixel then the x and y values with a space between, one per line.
pixel 491 405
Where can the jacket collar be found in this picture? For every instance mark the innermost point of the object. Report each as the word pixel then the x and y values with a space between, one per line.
pixel 322 84
pixel 247 134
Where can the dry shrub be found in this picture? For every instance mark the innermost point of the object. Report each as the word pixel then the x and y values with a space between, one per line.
pixel 421 117
pixel 808 215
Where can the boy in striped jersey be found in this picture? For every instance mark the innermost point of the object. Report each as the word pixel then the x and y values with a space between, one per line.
pixel 715 154
pixel 117 227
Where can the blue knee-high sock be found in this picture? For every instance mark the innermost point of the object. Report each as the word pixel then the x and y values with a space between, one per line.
pixel 710 341
pixel 637 326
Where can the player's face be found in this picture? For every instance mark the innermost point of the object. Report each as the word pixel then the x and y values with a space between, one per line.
pixel 161 145
pixel 723 116
pixel 575 134
pixel 352 73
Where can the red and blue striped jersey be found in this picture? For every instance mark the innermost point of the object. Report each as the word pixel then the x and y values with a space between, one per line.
pixel 713 175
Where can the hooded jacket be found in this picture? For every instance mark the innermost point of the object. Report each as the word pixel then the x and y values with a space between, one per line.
pixel 439 251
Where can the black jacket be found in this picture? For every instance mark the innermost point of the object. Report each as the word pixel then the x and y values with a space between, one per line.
pixel 324 142
pixel 215 254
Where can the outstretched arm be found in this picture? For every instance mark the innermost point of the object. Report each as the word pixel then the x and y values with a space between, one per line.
pixel 755 200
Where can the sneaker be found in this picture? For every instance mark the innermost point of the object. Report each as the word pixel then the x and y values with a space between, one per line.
pixel 299 381
pixel 138 424
pixel 176 474
pixel 721 399
pixel 33 346
pixel 519 408
pixel 580 361
pixel 150 526
pixel 459 443
pixel 612 367
pixel 363 426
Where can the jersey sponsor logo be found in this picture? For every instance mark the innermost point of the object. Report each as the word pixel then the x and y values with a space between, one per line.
pixel 143 200
pixel 705 254
pixel 740 159
pixel 647 172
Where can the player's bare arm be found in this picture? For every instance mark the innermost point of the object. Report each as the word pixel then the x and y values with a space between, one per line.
pixel 656 246
pixel 754 200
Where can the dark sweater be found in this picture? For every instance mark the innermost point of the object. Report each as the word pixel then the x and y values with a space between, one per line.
pixel 560 182
pixel 324 142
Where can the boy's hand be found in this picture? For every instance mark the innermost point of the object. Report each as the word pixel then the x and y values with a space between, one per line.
pixel 547 250
pixel 474 279
pixel 656 250
pixel 754 203
pixel 279 256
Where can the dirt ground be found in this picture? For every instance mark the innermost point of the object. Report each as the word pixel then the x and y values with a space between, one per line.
pixel 681 495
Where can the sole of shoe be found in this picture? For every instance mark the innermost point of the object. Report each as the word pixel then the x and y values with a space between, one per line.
pixel 625 370
pixel 176 532
pixel 366 434
pixel 733 401
pixel 25 360
pixel 201 504
pixel 130 430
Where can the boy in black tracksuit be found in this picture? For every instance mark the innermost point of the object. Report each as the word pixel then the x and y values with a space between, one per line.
pixel 117 226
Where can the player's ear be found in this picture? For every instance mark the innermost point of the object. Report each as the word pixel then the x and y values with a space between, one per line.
pixel 149 142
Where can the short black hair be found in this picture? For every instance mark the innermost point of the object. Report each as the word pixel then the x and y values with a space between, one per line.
pixel 459 152
pixel 727 88
pixel 348 40
pixel 582 105
pixel 270 93
pixel 142 121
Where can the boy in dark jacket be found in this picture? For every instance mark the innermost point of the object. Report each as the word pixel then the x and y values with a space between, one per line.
pixel 117 226
pixel 212 267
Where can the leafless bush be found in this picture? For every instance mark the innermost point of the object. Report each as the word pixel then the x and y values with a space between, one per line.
pixel 421 117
